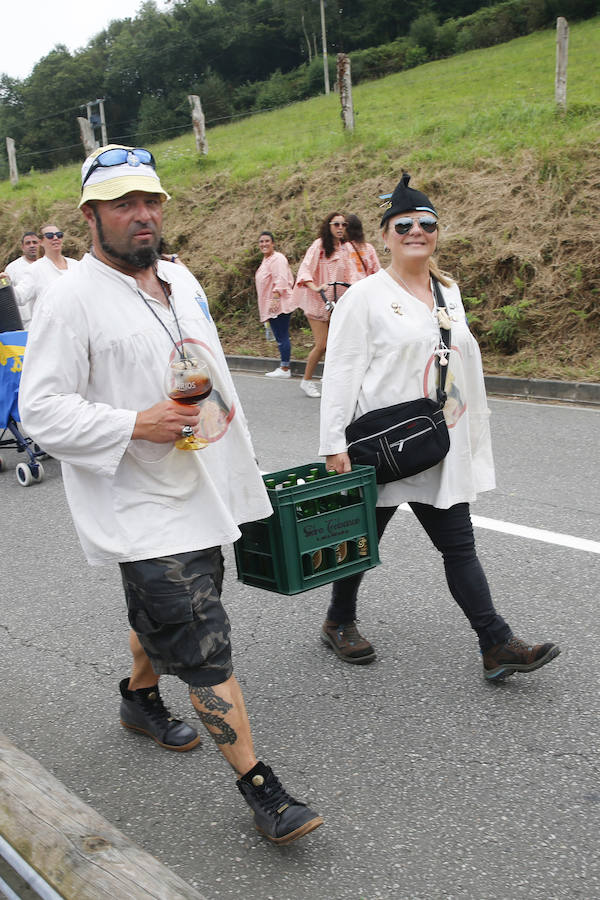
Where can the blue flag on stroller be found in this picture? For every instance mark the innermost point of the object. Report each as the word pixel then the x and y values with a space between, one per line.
pixel 12 349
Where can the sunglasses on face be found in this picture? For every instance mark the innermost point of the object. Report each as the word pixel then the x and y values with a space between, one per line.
pixel 338 224
pixel 403 226
pixel 117 157
pixel 52 234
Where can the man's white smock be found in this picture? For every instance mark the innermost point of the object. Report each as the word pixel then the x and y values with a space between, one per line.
pixel 17 271
pixel 36 279
pixel 96 355
pixel 17 268
pixel 380 351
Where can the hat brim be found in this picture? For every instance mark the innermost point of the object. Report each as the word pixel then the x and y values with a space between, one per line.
pixel 113 188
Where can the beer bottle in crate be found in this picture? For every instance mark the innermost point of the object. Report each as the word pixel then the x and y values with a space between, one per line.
pixel 313 562
pixel 337 500
pixel 341 552
pixel 292 481
pixel 362 545
pixel 318 561
pixel 310 507
pixel 331 503
pixel 328 502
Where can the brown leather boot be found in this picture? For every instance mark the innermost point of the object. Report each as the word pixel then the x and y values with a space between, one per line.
pixel 347 642
pixel 515 655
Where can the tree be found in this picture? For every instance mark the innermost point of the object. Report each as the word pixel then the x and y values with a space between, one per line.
pixel 224 50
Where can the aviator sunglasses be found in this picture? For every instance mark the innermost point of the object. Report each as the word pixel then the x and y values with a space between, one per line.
pixel 403 226
pixel 52 234
pixel 117 157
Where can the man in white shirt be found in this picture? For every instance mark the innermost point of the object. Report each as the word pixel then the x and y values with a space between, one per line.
pixel 43 272
pixel 18 268
pixel 92 391
pixel 30 244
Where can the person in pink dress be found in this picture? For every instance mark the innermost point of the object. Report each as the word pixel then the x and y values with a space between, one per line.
pixel 362 254
pixel 274 283
pixel 325 261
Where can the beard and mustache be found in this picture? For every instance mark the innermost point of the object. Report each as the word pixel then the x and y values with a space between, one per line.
pixel 142 258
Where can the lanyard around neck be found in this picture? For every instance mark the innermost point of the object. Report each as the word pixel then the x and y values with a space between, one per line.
pixel 179 349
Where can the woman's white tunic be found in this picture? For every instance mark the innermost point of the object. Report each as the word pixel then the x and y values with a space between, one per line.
pixel 380 351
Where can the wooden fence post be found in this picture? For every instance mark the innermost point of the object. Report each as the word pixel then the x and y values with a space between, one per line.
pixel 345 88
pixel 102 122
pixel 198 123
pixel 77 852
pixel 12 161
pixel 562 58
pixel 87 135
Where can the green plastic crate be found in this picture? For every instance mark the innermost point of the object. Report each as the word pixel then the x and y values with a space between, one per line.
pixel 307 541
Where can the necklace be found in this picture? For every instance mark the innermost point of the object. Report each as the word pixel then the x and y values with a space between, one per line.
pixel 406 287
pixel 179 349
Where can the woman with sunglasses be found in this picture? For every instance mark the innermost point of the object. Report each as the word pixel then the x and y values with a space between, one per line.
pixel 325 262
pixel 44 271
pixel 274 283
pixel 362 254
pixel 384 347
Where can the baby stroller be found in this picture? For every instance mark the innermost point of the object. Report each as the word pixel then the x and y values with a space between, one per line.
pixel 12 348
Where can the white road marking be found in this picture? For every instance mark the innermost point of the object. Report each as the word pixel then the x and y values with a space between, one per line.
pixel 534 534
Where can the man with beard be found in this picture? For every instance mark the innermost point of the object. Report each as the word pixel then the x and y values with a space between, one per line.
pixel 92 394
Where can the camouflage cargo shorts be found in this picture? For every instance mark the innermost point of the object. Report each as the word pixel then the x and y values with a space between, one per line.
pixel 174 607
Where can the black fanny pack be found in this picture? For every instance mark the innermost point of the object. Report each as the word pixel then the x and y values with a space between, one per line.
pixel 407 438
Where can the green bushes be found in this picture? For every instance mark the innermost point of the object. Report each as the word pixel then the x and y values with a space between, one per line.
pixel 215 95
pixel 283 88
pixel 446 38
pixel 427 40
pixel 423 32
pixel 496 24
pixel 274 92
pixel 374 62
pixel 509 326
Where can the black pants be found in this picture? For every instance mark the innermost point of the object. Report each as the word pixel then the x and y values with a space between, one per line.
pixel 451 532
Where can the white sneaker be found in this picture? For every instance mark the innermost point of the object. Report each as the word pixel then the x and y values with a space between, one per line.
pixel 309 388
pixel 278 373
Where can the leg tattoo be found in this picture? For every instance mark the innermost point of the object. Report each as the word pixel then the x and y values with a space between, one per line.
pixel 224 734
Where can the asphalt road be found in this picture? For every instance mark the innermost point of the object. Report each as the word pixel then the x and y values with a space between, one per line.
pixel 434 785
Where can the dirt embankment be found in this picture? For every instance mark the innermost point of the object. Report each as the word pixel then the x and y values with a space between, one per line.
pixel 522 243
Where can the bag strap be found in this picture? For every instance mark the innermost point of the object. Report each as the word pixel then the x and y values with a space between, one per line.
pixel 359 256
pixel 446 336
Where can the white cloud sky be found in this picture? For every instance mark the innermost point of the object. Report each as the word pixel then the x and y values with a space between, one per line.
pixel 29 32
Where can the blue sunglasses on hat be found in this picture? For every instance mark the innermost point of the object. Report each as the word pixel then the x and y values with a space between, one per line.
pixel 118 156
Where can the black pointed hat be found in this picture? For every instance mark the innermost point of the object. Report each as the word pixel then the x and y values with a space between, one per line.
pixel 405 199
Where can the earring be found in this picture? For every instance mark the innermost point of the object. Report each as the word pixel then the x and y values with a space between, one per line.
pixel 386 249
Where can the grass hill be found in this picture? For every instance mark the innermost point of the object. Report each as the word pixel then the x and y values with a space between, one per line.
pixel 516 184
